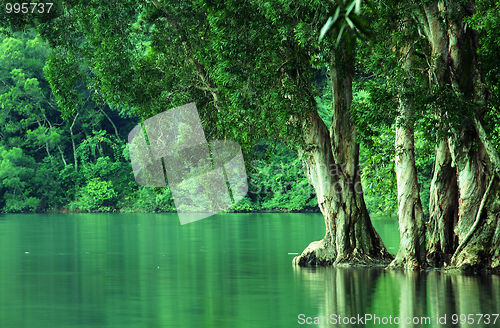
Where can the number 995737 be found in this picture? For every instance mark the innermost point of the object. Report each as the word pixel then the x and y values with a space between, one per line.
pixel 471 319
pixel 28 7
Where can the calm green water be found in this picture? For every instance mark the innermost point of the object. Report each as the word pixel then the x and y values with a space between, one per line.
pixel 232 270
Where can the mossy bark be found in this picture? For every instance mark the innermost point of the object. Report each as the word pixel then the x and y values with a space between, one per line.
pixel 443 209
pixel 411 253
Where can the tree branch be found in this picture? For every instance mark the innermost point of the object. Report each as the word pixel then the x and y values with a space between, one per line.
pixel 110 121
pixel 202 73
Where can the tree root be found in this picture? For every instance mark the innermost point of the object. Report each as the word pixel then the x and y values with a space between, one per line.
pixel 405 264
pixel 319 253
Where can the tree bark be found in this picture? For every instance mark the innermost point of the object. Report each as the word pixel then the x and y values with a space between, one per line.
pixel 443 209
pixel 443 204
pixel 477 229
pixel 411 253
pixel 73 142
pixel 332 166
pixel 474 173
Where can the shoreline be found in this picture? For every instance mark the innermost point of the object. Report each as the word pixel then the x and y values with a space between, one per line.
pixel 64 210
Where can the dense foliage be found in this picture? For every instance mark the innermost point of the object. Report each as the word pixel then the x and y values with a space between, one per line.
pixel 64 121
pixel 41 171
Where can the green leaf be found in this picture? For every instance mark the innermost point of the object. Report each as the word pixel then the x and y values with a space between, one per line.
pixel 325 28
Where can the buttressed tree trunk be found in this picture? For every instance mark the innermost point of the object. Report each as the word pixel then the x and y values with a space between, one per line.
pixel 331 160
pixel 443 208
pixel 411 253
pixel 478 229
pixel 443 203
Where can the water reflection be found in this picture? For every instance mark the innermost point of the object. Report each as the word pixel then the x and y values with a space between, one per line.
pixel 144 270
pixel 374 297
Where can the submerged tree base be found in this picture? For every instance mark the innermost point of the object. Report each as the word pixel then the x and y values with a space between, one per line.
pixel 319 253
pixel 405 263
pixel 476 259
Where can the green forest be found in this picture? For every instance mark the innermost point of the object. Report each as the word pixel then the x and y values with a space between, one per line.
pixel 82 164
pixel 351 108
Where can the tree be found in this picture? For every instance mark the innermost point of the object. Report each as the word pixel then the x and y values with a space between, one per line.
pixel 462 227
pixel 459 76
pixel 38 141
pixel 332 163
pixel 393 65
pixel 247 65
pixel 411 253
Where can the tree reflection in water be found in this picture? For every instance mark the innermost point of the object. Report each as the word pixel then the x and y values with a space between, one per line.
pixel 349 292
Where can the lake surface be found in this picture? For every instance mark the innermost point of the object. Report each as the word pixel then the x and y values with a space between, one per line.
pixel 229 270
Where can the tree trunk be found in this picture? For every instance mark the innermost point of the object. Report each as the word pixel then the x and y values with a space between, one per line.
pixel 62 155
pixel 411 253
pixel 331 163
pixel 443 209
pixel 73 142
pixel 478 229
pixel 443 204
pixel 476 226
pixel 112 123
